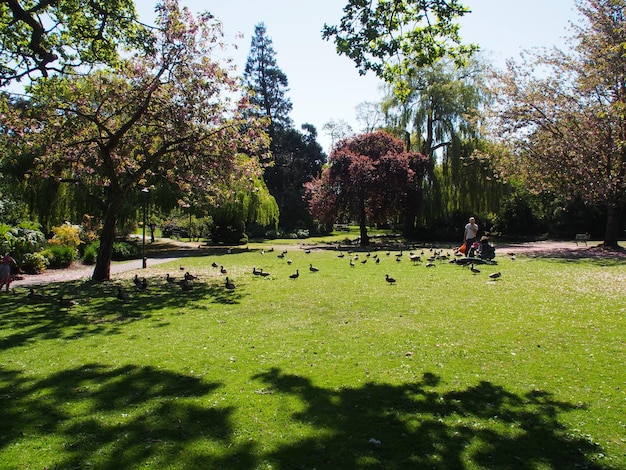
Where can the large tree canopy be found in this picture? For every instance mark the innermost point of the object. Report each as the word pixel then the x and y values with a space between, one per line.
pixel 566 128
pixel 393 37
pixel 40 36
pixel 165 116
pixel 369 178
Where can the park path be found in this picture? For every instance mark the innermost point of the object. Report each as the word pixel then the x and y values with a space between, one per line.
pixel 80 271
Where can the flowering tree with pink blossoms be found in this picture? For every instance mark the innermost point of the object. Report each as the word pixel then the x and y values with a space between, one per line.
pixel 174 114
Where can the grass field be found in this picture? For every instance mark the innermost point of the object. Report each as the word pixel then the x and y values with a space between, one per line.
pixel 336 369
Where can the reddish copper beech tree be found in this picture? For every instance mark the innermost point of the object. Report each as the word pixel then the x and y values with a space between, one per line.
pixel 369 178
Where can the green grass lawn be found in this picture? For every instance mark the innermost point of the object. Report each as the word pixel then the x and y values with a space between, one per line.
pixel 336 369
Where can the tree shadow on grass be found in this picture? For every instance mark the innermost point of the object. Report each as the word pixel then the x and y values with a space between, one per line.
pixel 416 426
pixel 97 309
pixel 127 417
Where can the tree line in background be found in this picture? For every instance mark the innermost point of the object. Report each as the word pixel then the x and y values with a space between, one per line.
pixel 167 134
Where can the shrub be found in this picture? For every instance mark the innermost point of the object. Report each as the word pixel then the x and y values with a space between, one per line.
pixel 59 256
pixel 34 263
pixel 20 241
pixel 66 235
pixel 91 253
pixel 125 250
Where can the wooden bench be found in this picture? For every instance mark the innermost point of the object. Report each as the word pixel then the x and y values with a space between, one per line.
pixel 582 238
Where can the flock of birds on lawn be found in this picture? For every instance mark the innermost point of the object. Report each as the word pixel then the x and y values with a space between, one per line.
pixel 186 281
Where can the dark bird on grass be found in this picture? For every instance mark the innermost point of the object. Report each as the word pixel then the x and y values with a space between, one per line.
pixel 352 264
pixel 182 268
pixel 399 255
pixel 313 269
pixel 289 261
pixel 340 255
pixel 364 261
pixel 170 279
pixel 495 275
pixel 281 256
pixel 415 258
pixel 256 272
pixel 122 295
pixel 430 265
pixel 229 284
pixel 66 303
pixel 136 280
pixel 190 277
pixel 271 250
pixel 214 264
pixel 186 285
pixel 35 296
pixel 474 270
pixel 398 259
pixel 143 284
pixel 377 260
pixel 262 251
pixel 308 252
pixel 295 275
pixel 513 257
pixel 263 273
pixel 390 280
pixel 223 270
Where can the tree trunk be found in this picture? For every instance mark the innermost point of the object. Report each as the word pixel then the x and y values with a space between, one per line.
pixel 363 222
pixel 613 217
pixel 102 270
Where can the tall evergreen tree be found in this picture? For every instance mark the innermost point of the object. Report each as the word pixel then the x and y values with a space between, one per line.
pixel 267 83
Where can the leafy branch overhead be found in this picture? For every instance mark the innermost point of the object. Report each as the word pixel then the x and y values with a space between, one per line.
pixel 57 35
pixel 392 37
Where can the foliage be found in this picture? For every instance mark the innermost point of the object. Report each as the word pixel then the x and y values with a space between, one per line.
pixel 91 253
pixel 67 235
pixel 297 157
pixel 166 115
pixel 369 178
pixel 59 256
pixel 34 263
pixel 303 373
pixel 266 83
pixel 393 37
pixel 21 241
pixel 43 36
pixel 566 129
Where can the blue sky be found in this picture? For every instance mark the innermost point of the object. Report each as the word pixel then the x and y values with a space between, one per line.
pixel 324 86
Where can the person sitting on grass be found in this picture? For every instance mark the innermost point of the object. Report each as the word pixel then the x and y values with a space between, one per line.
pixel 485 250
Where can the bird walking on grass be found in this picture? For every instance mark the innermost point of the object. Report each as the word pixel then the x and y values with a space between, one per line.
pixel 390 280
pixel 495 275
pixel 66 303
pixel 122 295
pixel 295 275
pixel 313 269
pixel 229 284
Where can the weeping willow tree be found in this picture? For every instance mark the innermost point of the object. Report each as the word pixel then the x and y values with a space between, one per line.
pixel 440 118
pixel 248 201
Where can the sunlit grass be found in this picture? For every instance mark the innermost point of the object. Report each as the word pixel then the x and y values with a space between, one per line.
pixel 335 369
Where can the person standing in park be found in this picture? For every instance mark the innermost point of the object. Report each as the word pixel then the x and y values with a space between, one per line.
pixel 5 271
pixel 469 236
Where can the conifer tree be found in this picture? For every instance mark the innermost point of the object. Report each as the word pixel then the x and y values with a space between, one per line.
pixel 267 83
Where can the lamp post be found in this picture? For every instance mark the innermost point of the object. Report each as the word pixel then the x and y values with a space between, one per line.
pixel 188 207
pixel 144 262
